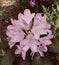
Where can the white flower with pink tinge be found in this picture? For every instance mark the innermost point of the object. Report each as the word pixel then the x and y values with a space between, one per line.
pixel 31 31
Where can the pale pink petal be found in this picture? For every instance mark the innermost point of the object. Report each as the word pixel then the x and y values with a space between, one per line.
pixel 45 41
pixel 32 54
pixel 10 27
pixel 23 55
pixel 17 51
pixel 34 48
pixel 27 17
pixel 42 49
pixel 19 23
pixel 11 44
pixel 48 42
pixel 26 48
pixel 12 21
pixel 29 43
pixel 19 16
pixel 15 34
pixel 41 53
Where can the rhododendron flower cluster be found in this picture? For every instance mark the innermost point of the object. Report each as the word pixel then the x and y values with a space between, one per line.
pixel 31 31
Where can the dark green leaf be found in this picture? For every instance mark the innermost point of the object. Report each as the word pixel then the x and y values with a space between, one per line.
pixel 8 58
pixel 54 47
pixel 37 60
pixel 49 59
pixel 27 61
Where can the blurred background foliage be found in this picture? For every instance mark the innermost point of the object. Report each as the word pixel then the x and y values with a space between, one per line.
pixel 11 8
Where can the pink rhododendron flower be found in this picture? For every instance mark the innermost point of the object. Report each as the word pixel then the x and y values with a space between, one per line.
pixel 30 34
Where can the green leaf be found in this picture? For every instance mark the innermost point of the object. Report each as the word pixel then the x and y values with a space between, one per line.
pixel 8 58
pixel 57 24
pixel 45 60
pixel 54 48
pixel 27 61
pixel 48 59
pixel 2 52
pixel 44 9
pixel 37 60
